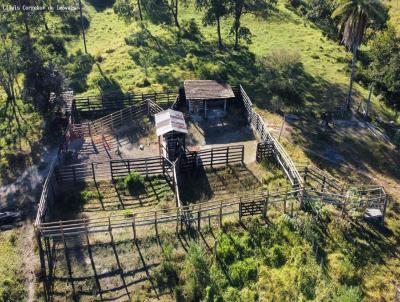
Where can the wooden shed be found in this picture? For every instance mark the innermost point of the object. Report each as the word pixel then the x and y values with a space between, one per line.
pixel 205 95
pixel 171 131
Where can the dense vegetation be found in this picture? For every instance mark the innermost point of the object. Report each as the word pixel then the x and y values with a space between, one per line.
pixel 294 259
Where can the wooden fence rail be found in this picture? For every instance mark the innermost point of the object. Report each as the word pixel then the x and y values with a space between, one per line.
pixel 148 167
pixel 261 130
pixel 189 214
pixel 102 104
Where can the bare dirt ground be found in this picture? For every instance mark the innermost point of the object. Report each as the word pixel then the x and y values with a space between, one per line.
pixel 221 132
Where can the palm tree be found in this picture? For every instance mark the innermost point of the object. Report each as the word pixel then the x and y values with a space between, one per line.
pixel 355 16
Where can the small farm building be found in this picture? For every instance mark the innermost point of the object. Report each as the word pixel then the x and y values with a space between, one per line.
pixel 204 96
pixel 171 132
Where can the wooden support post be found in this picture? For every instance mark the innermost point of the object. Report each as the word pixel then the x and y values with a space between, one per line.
pixel 67 259
pixel 199 219
pixel 147 168
pixel 284 201
pixel 42 263
pixel 323 184
pixel 242 154
pixel 156 223
pixel 212 157
pixel 177 221
pixel 134 228
pixel 227 156
pixel 291 209
pixel 384 210
pixel 220 215
pixel 264 212
pixel 240 209
pixel 209 221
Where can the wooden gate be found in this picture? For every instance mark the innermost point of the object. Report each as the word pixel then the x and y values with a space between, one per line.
pixel 251 208
pixel 265 150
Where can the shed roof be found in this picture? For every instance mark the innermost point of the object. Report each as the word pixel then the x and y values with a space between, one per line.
pixel 170 120
pixel 207 90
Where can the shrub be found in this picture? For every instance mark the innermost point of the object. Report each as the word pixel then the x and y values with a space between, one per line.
pixel 276 257
pixel 134 182
pixel 168 270
pixel 282 71
pixel 11 290
pixel 348 294
pixel 195 273
pixel 242 272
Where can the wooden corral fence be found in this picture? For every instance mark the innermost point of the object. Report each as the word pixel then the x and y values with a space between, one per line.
pixel 214 157
pixel 148 167
pixel 198 213
pixel 116 119
pixel 261 130
pixel 103 104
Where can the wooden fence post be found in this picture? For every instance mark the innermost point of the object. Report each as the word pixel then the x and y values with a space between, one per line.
pixel 284 201
pixel 134 228
pixel 240 209
pixel 155 223
pixel 265 205
pixel 199 219
pixel 242 154
pixel 42 262
pixel 177 221
pixel 227 155
pixel 212 156
pixel 220 215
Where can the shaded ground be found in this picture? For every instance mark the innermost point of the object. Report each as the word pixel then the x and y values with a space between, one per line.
pixel 105 198
pixel 212 184
pixel 215 131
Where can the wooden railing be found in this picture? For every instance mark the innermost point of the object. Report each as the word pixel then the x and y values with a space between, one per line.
pixel 201 211
pixel 117 119
pixel 261 129
pixel 108 103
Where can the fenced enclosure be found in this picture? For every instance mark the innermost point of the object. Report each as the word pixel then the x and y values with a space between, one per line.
pixel 63 238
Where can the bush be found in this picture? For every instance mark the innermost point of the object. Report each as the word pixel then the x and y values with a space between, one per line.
pixel 11 290
pixel 283 73
pixel 195 273
pixel 134 182
pixel 242 272
pixel 276 257
pixel 348 294
pixel 167 274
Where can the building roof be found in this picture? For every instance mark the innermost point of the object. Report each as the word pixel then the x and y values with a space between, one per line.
pixel 207 90
pixel 168 121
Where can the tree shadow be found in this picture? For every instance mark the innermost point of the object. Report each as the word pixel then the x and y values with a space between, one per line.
pixel 101 5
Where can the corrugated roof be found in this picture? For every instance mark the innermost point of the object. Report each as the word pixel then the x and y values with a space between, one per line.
pixel 170 120
pixel 207 90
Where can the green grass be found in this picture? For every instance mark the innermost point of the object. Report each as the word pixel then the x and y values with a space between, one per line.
pixel 11 280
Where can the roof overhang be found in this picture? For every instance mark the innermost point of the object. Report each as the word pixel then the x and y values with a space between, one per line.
pixel 170 120
pixel 207 90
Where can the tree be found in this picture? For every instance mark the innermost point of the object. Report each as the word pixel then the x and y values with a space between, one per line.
pixel 354 18
pixel 127 9
pixel 173 7
pixel 215 10
pixel 240 7
pixel 384 69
